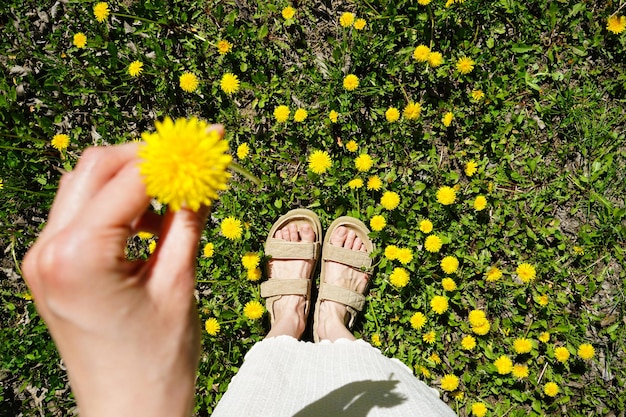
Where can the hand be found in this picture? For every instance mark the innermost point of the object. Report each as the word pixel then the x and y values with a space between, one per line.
pixel 127 331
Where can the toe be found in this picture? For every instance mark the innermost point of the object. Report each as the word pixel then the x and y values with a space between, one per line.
pixel 357 244
pixel 293 232
pixel 278 234
pixel 350 237
pixel 339 236
pixel 306 233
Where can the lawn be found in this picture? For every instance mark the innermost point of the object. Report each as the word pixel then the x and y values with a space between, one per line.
pixel 483 142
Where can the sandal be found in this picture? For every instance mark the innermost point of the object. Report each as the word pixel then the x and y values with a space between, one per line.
pixel 274 288
pixel 359 260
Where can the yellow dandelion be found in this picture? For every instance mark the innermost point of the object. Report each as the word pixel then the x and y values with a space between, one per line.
pixel 253 274
pixel 424 2
pixel 421 52
pixel 135 68
pixel 468 342
pixel 355 184
pixel 449 382
pixel 477 317
pixel 449 264
pixel 188 82
pixel 447 119
pixel 561 354
pixel 392 114
pixel 426 226
pixel 520 371
pixel 101 11
pixel 435 358
pixel 493 274
pixel 480 203
pixel 446 195
pixel 390 200
pixel 391 252
pixel 482 329
pixel 288 12
pixel 471 168
pixel 412 111
pixel 350 82
pixel 374 183
pixel 504 365
pixel 477 95
pixel 80 40
pixel 448 284
pixel 346 19
pixel 250 260
pixel 376 340
pixel 208 250
pixel 300 115
pixel 544 337
pixel 458 395
pixel 543 300
pixel 242 151
pixel 433 243
pixel 152 246
pixel 424 371
pixel 231 228
pixel 352 146
pixel 522 345
pixel 281 113
pixel 359 24
pixel 551 389
pixel 1 183
pixel 378 223
pixel 189 171
pixel 229 83
pixel 616 24
pixel 333 116
pixel 526 272
pixel 439 304
pixel 465 65
pixel 144 235
pixel 586 351
pixel 418 320
pixel 479 409
pixel 224 47
pixel 212 326
pixel 253 310
pixel 435 59
pixel 429 337
pixel 60 141
pixel 399 277
pixel 319 161
pixel 404 255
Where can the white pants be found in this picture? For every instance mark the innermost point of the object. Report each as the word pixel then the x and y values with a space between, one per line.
pixel 285 377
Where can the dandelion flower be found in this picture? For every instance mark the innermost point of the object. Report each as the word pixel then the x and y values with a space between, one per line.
pixel 374 183
pixel 144 235
pixel 399 277
pixel 465 65
pixel 479 409
pixel 477 317
pixel 347 19
pixel 60 141
pixel 152 246
pixel 333 116
pixel 482 329
pixel 449 264
pixel 449 382
pixel 561 354
pixel 212 326
pixel 446 195
pixel 586 351
pixel 319 162
pixel 356 183
pixel 359 24
pixel 101 11
pixel 433 243
pixel 188 82
pixel 253 274
pixel 281 113
pixel 544 337
pixel 253 310
pixel 493 274
pixel 183 163
pixel 242 151
pixel 447 119
pixel 231 228
pixel 439 304
pixel 300 115
pixel 434 357
pixel 208 250
pixel 616 24
pixel 418 320
pixel 480 203
pixel 522 345
pixel 470 168
pixel 392 114
pixel 504 365
pixel 404 256
pixel 526 272
pixel 378 223
pixel 135 68
pixel 551 389
pixel 1 183
pixel 424 371
pixel 426 226
pixel 435 59
pixel 543 300
pixel 448 284
pixel 391 252
pixel 375 337
pixel 520 371
pixel 477 95
pixel 350 82
pixel 429 337
pixel 390 200
pixel 80 40
pixel 352 146
pixel 412 111
pixel 421 53
pixel 229 83
pixel 468 342
pixel 224 47
pixel 250 260
pixel 288 12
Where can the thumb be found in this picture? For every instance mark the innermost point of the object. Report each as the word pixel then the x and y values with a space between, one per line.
pixel 175 257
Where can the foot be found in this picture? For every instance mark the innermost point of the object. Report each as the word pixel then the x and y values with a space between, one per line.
pixel 289 310
pixel 332 315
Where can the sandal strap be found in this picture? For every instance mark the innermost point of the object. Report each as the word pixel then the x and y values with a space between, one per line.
pixel 282 249
pixel 277 287
pixel 353 300
pixel 355 259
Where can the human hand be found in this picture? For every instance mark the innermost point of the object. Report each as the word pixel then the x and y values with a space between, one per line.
pixel 127 331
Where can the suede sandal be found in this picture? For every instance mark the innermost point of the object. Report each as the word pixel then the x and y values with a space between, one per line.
pixel 359 260
pixel 274 288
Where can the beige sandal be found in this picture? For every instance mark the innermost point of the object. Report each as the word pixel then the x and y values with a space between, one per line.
pixel 359 260
pixel 273 289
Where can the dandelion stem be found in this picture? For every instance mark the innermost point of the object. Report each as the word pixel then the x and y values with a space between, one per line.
pixel 242 171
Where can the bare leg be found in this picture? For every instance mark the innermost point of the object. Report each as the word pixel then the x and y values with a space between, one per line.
pixel 332 315
pixel 289 318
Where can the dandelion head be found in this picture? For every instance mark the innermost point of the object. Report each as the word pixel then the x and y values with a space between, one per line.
pixel 242 151
pixel 391 252
pixel 208 250
pixel 468 342
pixel 359 24
pixel 520 371
pixel 448 284
pixel 586 351
pixel 412 111
pixel 480 203
pixel 435 59
pixel 333 116
pixel 300 115
pixel 352 146
pixel 479 409
pixel 426 226
pixel 392 114
pixel 470 168
pixel 522 345
pixel 319 161
pixel 551 389
pixel 212 326
pixel 449 382
pixel 439 304
pixel 231 228
pixel 79 40
pixel 526 272
pixel 101 11
pixel 446 195
pixel 561 354
pixel 616 24
pixel 253 274
pixel 433 243
pixel 355 183
pixel 350 82
pixel 253 310
pixel 224 47
pixel 288 12
pixel 447 119
pixel 503 365
pixel 374 183
pixel 188 82
pixel 346 19
pixel 465 65
pixel 135 68
pixel 493 274
pixel 421 52
pixel 281 113
pixel 60 141
pixel 418 320
pixel 229 83
pixel 378 223
pixel 399 277
pixel 390 200
pixel 449 264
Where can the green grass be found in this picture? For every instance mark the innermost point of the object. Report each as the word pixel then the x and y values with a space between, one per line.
pixel 548 138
